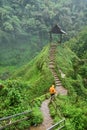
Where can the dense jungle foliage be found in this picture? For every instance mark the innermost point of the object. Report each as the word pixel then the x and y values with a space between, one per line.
pixel 21 18
pixel 24 73
pixel 24 26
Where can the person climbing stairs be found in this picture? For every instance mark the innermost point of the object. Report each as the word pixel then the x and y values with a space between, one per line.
pixel 59 88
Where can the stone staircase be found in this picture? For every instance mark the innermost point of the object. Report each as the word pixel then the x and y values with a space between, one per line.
pixel 59 88
pixel 47 122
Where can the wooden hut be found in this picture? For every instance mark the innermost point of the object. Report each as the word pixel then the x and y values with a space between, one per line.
pixel 56 30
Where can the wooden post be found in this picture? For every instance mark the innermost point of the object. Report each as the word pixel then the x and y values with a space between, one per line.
pixel 60 38
pixel 50 37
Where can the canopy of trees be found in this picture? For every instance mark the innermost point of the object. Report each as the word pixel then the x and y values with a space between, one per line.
pixel 19 18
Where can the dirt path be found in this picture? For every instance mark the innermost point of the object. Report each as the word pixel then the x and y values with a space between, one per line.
pixel 47 122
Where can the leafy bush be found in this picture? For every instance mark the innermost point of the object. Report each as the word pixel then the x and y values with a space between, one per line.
pixel 37 117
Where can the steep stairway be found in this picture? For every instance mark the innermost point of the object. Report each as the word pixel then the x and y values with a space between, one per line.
pixel 59 88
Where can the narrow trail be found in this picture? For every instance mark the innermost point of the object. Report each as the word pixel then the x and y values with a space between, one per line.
pixel 47 122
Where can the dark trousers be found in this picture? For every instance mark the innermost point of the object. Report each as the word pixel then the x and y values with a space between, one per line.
pixel 52 96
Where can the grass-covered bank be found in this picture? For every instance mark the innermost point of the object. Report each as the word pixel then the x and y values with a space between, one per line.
pixel 16 97
pixel 73 109
pixel 37 73
pixel 28 83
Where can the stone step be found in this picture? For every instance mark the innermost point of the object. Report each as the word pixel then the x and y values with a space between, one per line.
pixel 58 85
pixel 52 57
pixel 55 75
pixel 57 80
pixel 53 47
pixel 52 61
pixel 51 66
pixel 53 51
pixel 52 71
pixel 53 44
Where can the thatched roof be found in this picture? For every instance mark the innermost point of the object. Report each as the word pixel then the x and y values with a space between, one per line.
pixel 57 30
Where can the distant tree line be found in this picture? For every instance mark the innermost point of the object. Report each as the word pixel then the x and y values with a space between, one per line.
pixel 24 18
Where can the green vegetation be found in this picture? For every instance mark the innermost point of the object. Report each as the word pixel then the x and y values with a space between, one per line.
pixel 23 90
pixel 14 55
pixel 15 97
pixel 73 110
pixel 24 73
pixel 26 86
pixel 20 19
pixel 37 73
pixel 24 27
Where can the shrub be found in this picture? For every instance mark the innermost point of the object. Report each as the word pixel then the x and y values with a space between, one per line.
pixel 36 116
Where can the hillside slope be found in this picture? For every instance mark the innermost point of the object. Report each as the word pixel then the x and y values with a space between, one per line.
pixel 36 73
pixel 67 60
pixel 34 79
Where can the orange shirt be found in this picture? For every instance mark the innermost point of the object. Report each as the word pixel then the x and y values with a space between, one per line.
pixel 52 90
